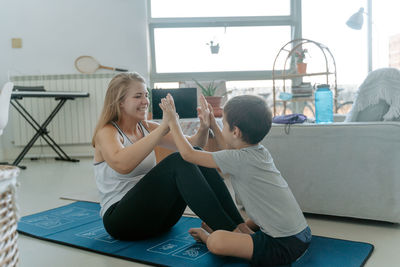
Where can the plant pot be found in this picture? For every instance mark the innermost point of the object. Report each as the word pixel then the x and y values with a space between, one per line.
pixel 215 102
pixel 301 68
pixel 214 49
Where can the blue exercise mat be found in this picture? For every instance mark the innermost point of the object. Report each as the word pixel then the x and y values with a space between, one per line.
pixel 79 225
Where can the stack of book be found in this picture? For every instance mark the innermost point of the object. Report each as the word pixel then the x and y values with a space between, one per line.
pixel 302 90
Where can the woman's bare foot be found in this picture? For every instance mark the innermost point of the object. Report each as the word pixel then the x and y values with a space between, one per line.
pixel 199 234
pixel 243 228
pixel 206 227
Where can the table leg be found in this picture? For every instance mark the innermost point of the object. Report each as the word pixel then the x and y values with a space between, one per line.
pixel 41 131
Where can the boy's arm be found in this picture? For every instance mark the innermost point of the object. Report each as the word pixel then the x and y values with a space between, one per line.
pixel 218 135
pixel 188 153
pixel 216 130
pixel 201 137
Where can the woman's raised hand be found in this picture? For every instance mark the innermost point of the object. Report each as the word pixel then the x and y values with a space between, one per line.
pixel 168 107
pixel 204 113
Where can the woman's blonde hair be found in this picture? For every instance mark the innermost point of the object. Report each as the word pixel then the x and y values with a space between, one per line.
pixel 116 92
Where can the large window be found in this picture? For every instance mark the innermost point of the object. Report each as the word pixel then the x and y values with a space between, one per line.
pixel 325 22
pixel 385 34
pixel 224 39
pixel 239 48
pixel 350 47
pixel 219 8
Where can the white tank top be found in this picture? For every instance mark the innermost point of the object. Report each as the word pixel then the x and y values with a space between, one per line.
pixel 113 185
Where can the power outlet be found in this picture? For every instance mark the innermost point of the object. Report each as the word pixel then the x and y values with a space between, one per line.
pixel 16 43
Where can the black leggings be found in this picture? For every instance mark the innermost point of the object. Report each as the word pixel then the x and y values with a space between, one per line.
pixel 158 200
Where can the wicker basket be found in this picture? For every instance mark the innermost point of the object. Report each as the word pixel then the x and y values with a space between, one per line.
pixel 8 216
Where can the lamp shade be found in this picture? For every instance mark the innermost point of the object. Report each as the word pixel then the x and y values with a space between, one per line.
pixel 356 20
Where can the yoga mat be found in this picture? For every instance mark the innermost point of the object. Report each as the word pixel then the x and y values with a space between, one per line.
pixel 79 225
pixel 92 195
pixel 87 195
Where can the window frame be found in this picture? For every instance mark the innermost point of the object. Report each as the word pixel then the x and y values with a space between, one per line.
pixel 293 20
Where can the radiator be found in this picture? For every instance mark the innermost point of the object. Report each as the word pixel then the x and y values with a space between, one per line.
pixel 75 122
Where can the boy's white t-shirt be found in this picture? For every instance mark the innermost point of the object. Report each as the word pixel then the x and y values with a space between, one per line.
pixel 265 195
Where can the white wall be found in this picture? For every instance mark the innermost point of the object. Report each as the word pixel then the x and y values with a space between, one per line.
pixel 55 32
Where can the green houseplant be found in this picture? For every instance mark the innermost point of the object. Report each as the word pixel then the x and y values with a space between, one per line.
pixel 300 55
pixel 209 90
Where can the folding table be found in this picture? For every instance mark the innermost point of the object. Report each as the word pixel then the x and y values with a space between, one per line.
pixel 41 130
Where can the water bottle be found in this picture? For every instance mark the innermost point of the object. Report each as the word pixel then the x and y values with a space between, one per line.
pixel 323 104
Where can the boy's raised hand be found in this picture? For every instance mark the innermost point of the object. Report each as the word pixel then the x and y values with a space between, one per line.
pixel 204 113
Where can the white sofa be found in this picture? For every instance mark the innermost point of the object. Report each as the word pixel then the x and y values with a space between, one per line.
pixel 343 169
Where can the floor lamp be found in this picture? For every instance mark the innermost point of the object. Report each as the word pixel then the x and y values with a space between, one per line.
pixel 356 22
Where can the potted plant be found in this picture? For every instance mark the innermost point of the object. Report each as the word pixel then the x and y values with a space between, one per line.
pixel 209 90
pixel 214 48
pixel 300 55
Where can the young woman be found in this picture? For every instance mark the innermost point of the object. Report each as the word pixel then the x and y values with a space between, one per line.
pixel 140 199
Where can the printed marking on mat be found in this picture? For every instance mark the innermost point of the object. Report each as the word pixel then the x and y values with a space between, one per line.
pixel 185 236
pixel 75 213
pixel 168 246
pixel 46 221
pixel 98 233
pixel 193 252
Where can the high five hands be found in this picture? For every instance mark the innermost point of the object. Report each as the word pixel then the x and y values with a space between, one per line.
pixel 204 111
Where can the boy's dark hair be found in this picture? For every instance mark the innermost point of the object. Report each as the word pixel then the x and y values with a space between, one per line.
pixel 251 115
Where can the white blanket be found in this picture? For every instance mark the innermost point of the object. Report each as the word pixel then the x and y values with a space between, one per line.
pixel 381 87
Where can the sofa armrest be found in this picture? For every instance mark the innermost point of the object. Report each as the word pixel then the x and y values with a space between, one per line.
pixel 344 169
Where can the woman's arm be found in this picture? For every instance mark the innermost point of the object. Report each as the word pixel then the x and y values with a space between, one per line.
pixel 125 159
pixel 200 138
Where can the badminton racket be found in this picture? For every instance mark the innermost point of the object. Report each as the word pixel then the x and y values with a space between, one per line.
pixel 88 64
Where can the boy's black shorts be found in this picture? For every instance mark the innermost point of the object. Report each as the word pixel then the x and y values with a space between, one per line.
pixel 269 251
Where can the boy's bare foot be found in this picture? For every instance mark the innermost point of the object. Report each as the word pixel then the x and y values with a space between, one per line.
pixel 206 227
pixel 199 234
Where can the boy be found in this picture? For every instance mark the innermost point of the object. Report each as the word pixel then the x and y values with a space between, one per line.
pixel 281 232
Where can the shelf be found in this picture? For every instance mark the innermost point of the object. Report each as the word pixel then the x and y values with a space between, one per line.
pixel 297 75
pixel 284 73
pixel 296 99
